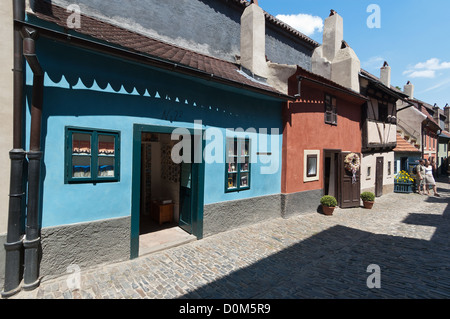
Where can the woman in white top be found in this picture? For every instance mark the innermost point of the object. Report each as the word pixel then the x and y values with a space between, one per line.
pixel 429 179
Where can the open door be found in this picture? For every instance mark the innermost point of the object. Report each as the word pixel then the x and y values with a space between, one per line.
pixel 191 190
pixel 186 197
pixel 350 190
pixel 379 177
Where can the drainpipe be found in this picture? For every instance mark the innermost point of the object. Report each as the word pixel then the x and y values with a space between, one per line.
pixel 32 239
pixel 16 211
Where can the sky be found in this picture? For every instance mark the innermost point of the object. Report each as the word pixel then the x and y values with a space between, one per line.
pixel 413 36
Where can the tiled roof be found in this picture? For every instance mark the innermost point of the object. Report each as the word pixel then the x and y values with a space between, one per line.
pixel 135 42
pixel 324 81
pixel 424 110
pixel 404 146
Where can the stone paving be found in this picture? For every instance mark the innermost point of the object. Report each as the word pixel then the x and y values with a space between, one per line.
pixel 307 256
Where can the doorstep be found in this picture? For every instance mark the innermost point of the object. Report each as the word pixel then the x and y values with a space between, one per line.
pixel 163 239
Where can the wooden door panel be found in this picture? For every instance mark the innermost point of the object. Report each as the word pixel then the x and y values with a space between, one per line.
pixel 350 191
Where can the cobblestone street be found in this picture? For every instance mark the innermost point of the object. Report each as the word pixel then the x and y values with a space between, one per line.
pixel 307 256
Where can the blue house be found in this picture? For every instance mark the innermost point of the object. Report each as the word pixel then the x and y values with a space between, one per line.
pixel 136 132
pixel 126 134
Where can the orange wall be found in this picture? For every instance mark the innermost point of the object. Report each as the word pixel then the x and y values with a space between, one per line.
pixel 305 129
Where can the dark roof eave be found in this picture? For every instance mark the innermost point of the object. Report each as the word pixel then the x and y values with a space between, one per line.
pixel 123 52
pixel 381 86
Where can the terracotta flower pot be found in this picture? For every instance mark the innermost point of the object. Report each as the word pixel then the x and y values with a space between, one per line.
pixel 368 205
pixel 328 210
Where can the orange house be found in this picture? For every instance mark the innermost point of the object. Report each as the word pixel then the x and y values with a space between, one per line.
pixel 321 128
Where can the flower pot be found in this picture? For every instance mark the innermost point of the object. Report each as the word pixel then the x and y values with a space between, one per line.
pixel 328 210
pixel 368 205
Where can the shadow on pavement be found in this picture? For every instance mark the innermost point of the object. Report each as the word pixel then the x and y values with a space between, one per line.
pixel 333 264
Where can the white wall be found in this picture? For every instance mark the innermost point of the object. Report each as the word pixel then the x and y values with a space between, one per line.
pixel 370 160
pixel 6 107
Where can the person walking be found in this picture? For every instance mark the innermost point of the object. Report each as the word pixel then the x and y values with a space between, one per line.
pixel 421 175
pixel 429 179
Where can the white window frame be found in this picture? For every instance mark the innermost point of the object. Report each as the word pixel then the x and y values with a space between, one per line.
pixel 305 165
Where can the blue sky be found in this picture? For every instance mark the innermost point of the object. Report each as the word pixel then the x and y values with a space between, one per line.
pixel 413 37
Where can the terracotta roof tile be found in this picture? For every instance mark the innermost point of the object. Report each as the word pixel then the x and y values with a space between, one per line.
pixel 154 48
pixel 404 146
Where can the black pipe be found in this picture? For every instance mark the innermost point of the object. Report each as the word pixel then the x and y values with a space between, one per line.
pixel 32 239
pixel 16 211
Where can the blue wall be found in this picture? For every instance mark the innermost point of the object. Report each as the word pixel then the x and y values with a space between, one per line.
pixel 84 89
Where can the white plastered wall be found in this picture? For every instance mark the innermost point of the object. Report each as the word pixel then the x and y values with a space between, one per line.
pixel 6 107
pixel 370 161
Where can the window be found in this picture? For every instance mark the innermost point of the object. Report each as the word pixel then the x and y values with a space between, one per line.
pixel 330 110
pixel 238 164
pixel 311 164
pixel 382 112
pixel 311 161
pixel 91 156
pixel 369 172
pixel 389 168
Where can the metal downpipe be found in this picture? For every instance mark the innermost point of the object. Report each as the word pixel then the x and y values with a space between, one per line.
pixel 16 211
pixel 32 239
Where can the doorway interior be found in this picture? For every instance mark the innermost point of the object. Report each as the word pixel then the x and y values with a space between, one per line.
pixel 161 195
pixel 331 174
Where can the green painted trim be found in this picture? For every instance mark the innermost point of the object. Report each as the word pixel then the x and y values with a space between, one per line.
pixel 238 168
pixel 94 133
pixel 197 218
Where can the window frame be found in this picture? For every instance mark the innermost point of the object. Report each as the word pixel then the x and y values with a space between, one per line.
pixel 333 113
pixel 309 157
pixel 238 142
pixel 94 155
pixel 306 154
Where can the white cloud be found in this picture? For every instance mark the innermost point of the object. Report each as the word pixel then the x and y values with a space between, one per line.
pixel 427 69
pixel 433 64
pixel 444 83
pixel 430 74
pixel 304 23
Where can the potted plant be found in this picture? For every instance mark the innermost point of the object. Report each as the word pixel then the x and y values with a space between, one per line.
pixel 368 199
pixel 329 203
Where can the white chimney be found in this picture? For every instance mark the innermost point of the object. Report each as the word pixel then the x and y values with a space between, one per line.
pixel 333 35
pixel 409 90
pixel 253 39
pixel 335 59
pixel 385 74
pixel 346 67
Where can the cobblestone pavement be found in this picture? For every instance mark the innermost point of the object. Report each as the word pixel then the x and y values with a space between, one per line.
pixel 307 256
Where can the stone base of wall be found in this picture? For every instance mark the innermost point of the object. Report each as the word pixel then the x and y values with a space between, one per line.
pixel 225 216
pixel 300 203
pixel 84 245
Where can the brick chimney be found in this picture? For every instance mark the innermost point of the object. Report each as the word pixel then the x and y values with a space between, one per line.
pixel 385 74
pixel 409 90
pixel 253 39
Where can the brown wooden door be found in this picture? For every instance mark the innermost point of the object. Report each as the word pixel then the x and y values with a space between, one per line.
pixel 379 177
pixel 349 190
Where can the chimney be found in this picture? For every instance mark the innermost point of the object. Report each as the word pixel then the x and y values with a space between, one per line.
pixel 385 74
pixel 253 39
pixel 333 35
pixel 409 90
pixel 346 67
pixel 447 114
